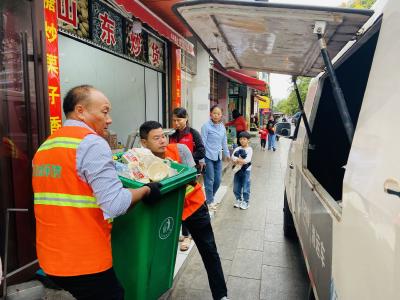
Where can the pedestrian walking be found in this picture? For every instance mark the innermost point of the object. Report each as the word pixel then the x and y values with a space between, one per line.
pixel 195 214
pixel 263 137
pixel 271 133
pixel 213 134
pixel 76 194
pixel 241 158
pixel 239 122
pixel 184 134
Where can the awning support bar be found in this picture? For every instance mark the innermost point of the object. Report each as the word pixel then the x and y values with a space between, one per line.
pixel 337 91
pixel 301 108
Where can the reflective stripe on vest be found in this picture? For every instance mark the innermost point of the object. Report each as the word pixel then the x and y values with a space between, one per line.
pixel 189 189
pixel 79 201
pixel 60 142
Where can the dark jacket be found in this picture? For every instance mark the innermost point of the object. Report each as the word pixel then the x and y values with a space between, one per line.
pixel 191 138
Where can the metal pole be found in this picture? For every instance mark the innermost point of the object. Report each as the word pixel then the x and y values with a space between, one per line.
pixel 337 91
pixel 6 247
pixel 301 107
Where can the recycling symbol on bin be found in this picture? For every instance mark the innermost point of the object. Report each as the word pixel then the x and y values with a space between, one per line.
pixel 166 228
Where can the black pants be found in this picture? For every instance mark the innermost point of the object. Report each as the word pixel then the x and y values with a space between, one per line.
pixel 199 225
pixel 185 230
pixel 263 143
pixel 99 286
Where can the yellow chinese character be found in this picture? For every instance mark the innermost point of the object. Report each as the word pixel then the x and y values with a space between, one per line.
pixel 53 94
pixel 55 123
pixel 50 5
pixel 52 61
pixel 51 32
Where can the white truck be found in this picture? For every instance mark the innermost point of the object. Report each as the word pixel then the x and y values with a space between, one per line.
pixel 342 189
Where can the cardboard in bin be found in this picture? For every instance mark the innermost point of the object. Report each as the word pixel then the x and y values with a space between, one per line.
pixel 145 240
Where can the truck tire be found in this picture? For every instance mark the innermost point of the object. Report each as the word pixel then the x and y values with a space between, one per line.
pixel 289 230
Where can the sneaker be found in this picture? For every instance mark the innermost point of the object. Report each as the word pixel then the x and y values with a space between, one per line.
pixel 225 298
pixel 237 203
pixel 274 149
pixel 244 205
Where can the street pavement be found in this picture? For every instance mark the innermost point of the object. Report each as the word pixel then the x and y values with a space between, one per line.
pixel 258 262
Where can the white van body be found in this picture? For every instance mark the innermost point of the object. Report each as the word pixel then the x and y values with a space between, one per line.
pixel 366 226
pixel 347 224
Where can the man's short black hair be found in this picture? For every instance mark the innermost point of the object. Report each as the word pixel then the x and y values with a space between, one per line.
pixel 74 96
pixel 146 127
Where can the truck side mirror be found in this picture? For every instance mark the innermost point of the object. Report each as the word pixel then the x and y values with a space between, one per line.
pixel 283 129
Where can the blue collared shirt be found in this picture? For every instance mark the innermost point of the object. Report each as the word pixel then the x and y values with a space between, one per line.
pixel 214 139
pixel 95 166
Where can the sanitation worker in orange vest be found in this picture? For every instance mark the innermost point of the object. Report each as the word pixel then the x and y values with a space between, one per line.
pixel 76 194
pixel 195 212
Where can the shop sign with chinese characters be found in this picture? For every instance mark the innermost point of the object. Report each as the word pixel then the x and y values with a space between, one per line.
pixel 106 27
pixel 135 42
pixel 73 16
pixel 156 53
pixel 53 74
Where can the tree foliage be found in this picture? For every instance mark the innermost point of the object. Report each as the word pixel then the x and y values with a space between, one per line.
pixel 289 106
pixel 358 3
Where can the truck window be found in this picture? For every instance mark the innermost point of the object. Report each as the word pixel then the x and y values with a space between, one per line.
pixel 327 159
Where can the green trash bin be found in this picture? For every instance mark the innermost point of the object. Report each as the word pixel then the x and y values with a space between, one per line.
pixel 145 240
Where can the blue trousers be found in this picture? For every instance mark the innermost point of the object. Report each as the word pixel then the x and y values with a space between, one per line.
pixel 271 141
pixel 241 185
pixel 212 178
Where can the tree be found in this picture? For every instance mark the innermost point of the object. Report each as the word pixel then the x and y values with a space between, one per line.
pixel 358 3
pixel 289 106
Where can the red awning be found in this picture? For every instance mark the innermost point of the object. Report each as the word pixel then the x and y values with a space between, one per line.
pixel 140 11
pixel 251 82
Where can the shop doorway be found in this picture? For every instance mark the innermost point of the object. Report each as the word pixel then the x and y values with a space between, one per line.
pixel 22 128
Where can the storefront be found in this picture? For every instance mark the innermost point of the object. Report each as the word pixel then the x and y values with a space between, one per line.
pixel 232 90
pixel 120 47
pixel 264 106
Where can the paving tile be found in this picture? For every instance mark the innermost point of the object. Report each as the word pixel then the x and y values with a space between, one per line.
pixel 258 262
pixel 274 233
pixel 195 275
pixel 251 240
pixel 277 254
pixel 190 294
pixel 227 240
pixel 243 288
pixel 247 263
pixel 282 283
pixel 275 216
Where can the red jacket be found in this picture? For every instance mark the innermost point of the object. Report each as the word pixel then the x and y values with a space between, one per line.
pixel 263 134
pixel 240 124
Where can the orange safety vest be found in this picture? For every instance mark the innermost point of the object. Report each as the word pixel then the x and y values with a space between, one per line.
pixel 72 237
pixel 194 197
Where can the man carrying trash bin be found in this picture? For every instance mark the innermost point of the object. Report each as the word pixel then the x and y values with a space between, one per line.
pixel 195 212
pixel 76 194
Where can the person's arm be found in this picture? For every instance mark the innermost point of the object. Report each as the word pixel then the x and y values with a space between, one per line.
pixel 225 145
pixel 199 151
pixel 249 152
pixel 204 133
pixel 230 123
pixel 95 166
